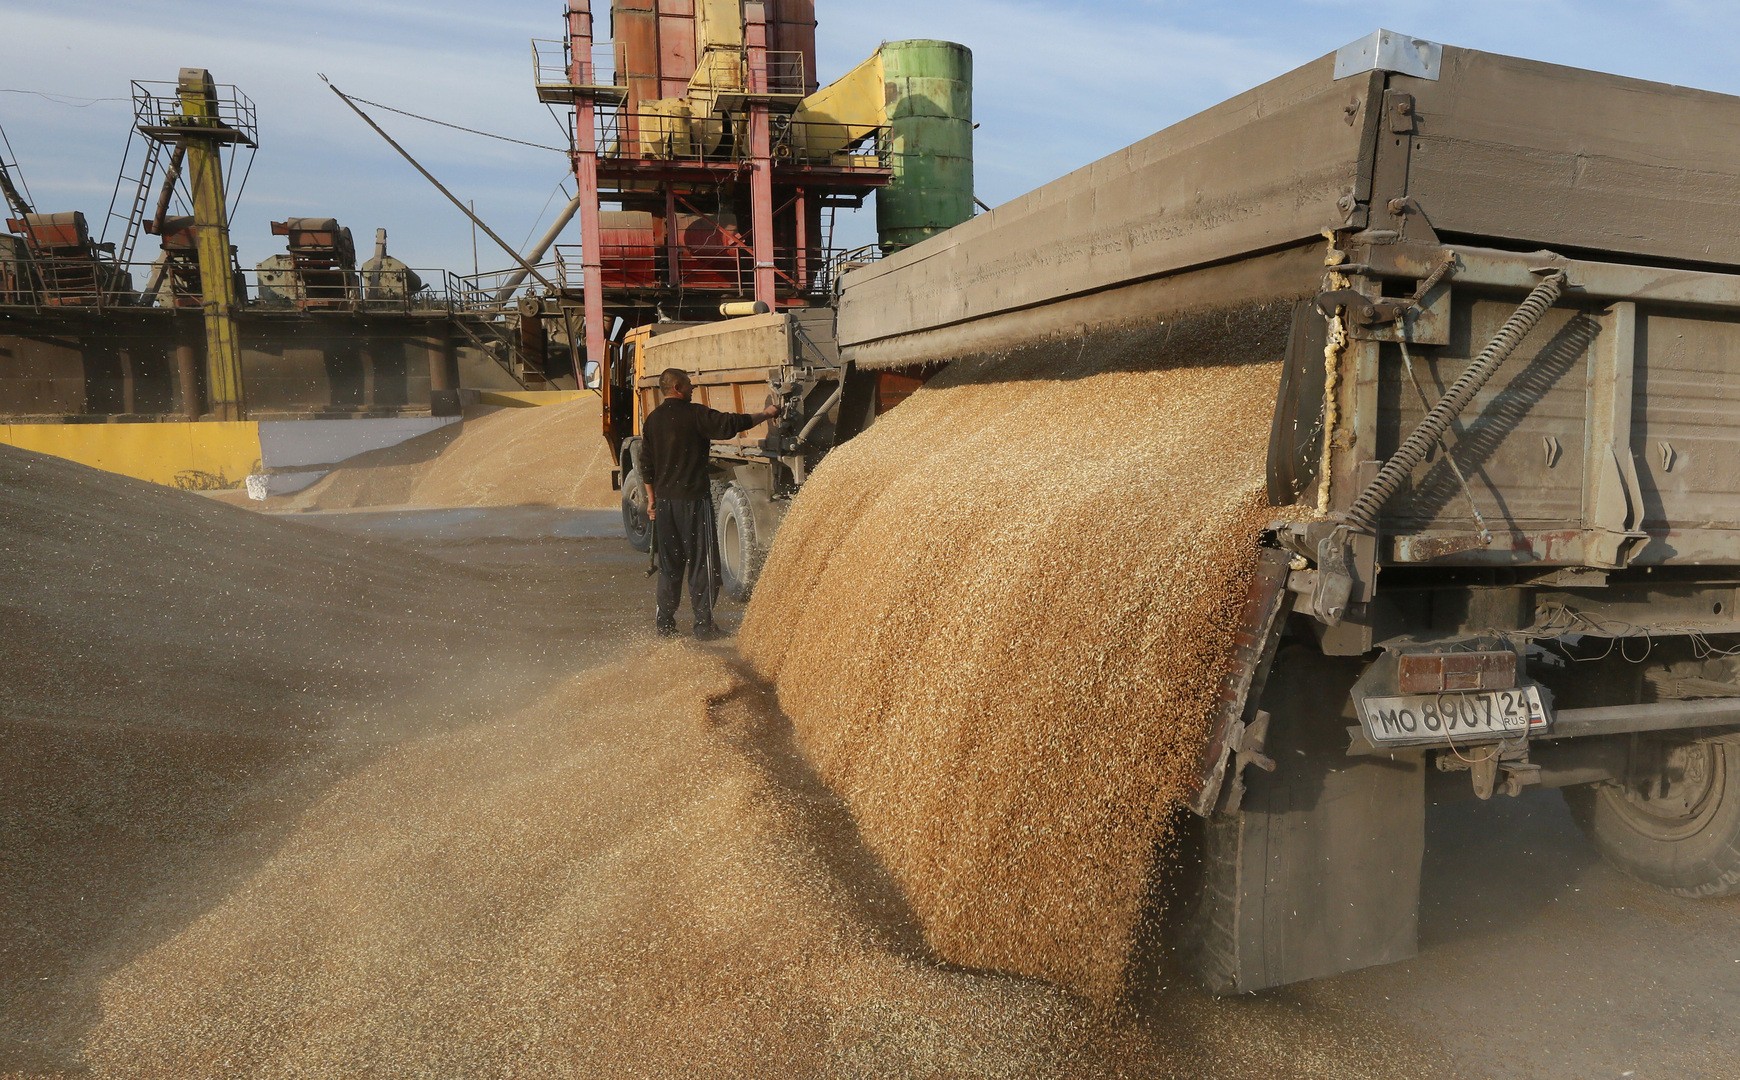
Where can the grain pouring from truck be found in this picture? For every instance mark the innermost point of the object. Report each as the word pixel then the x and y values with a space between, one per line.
pixel 1501 299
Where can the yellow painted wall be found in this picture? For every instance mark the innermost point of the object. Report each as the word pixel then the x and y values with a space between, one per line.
pixel 197 456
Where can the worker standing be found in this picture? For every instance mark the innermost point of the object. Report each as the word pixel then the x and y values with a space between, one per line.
pixel 675 444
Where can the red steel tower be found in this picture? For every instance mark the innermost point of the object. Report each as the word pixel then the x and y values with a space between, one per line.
pixel 700 128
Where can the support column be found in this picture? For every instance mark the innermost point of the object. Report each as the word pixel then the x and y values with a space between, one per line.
pixel 580 74
pixel 205 175
pixel 443 361
pixel 129 380
pixel 801 209
pixel 187 371
pixel 760 151
pixel 673 243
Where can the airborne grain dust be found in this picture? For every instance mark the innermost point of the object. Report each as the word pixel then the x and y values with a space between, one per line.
pixel 999 621
pixel 280 802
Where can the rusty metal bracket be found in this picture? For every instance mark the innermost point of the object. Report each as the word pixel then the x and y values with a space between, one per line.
pixel 1247 746
pixel 1420 319
pixel 1240 728
pixel 1399 111
pixel 1613 509
pixel 1360 309
pixel 1391 162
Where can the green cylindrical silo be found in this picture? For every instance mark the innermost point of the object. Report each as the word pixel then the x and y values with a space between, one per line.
pixel 930 116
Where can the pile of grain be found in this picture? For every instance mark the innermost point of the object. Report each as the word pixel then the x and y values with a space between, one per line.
pixel 181 679
pixel 279 802
pixel 552 455
pixel 999 621
pixel 628 878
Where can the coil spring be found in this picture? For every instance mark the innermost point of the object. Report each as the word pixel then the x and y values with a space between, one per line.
pixel 1363 514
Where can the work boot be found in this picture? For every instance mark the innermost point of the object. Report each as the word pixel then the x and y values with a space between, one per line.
pixel 667 629
pixel 708 632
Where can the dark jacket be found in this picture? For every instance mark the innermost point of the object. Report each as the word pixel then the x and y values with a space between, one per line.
pixel 674 446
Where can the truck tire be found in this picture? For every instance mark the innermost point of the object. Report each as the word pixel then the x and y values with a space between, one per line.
pixel 1676 826
pixel 741 549
pixel 635 525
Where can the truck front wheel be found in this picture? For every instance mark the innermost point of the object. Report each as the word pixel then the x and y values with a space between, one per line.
pixel 741 549
pixel 1673 820
pixel 635 525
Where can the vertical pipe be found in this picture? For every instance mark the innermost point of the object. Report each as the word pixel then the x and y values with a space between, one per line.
pixel 186 371
pixel 801 210
pixel 443 362
pixel 673 241
pixel 129 382
pixel 586 179
pixel 370 357
pixel 177 158
pixel 760 151
pixel 199 108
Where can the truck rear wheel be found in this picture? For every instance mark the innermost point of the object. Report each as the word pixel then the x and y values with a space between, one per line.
pixel 1318 871
pixel 1673 820
pixel 634 520
pixel 741 549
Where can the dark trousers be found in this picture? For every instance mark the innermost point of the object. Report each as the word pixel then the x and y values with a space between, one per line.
pixel 686 540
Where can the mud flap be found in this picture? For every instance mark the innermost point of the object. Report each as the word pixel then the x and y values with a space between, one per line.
pixel 1319 872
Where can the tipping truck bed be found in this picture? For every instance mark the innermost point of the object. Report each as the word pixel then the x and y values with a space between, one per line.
pixel 1502 457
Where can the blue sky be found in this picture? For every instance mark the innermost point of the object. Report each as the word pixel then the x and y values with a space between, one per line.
pixel 1059 83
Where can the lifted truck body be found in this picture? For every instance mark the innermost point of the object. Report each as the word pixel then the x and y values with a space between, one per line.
pixel 1507 297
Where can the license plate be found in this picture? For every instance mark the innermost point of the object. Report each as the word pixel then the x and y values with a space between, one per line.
pixel 1453 717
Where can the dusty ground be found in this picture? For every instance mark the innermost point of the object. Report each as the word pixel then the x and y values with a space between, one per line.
pixel 284 801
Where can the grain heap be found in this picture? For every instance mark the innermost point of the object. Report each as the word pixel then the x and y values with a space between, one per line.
pixel 280 802
pixel 552 455
pixel 999 620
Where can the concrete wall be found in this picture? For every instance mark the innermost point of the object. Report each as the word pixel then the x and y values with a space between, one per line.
pixel 194 456
pixel 296 453
pixel 206 455
pixel 73 362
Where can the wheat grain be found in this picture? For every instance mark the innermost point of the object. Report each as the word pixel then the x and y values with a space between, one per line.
pixel 552 455
pixel 999 620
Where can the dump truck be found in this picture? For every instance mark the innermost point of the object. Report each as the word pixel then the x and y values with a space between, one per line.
pixel 742 364
pixel 1504 458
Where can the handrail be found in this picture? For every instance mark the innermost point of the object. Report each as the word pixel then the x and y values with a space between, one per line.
pixel 57 282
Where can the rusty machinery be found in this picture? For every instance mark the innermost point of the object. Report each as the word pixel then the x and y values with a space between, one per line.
pixel 702 124
pixel 187 129
pixel 59 265
pixel 187 138
pixel 51 258
pixel 685 126
pixel 322 262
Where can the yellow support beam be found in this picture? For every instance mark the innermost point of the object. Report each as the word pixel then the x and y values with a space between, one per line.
pixel 205 175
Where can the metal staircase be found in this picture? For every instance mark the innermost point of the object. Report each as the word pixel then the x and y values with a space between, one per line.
pixel 133 190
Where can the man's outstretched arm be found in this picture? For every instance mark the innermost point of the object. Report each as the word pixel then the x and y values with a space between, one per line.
pixel 722 425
